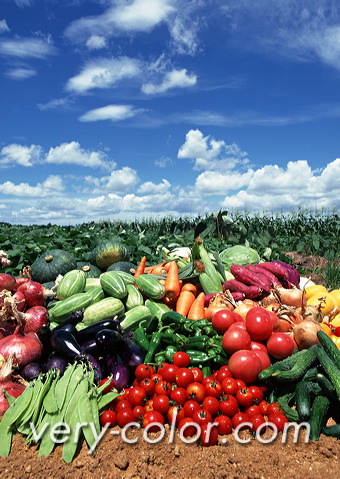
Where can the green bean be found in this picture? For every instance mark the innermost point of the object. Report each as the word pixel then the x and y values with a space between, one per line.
pixel 95 410
pixel 61 387
pixel 76 377
pixel 46 444
pixel 50 400
pixel 70 446
pixel 105 400
pixel 6 442
pixel 17 410
pixel 80 390
pixel 85 416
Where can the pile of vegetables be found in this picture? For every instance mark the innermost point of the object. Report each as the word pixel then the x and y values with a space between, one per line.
pixel 107 319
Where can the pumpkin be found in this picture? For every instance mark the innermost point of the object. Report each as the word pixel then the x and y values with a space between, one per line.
pixel 125 266
pixel 107 253
pixel 51 263
pixel 90 270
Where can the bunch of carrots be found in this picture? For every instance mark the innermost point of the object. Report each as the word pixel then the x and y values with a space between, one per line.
pixel 186 299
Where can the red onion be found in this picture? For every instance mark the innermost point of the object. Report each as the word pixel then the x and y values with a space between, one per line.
pixel 7 281
pixel 13 388
pixel 25 348
pixel 34 319
pixel 20 281
pixel 20 300
pixel 35 293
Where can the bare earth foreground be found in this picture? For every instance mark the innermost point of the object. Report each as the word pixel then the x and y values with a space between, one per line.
pixel 164 459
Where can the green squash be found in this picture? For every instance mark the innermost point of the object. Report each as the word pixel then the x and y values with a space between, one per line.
pixel 51 263
pixel 107 253
pixel 125 266
pixel 90 270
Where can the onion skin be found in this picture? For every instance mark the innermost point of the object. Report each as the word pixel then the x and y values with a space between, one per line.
pixel 305 333
pixel 25 348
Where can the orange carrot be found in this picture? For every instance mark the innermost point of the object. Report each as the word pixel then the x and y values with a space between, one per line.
pixel 158 269
pixel 172 284
pixel 184 302
pixel 141 267
pixel 197 308
pixel 190 287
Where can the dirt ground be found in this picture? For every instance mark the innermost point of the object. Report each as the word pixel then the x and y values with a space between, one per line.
pixel 165 459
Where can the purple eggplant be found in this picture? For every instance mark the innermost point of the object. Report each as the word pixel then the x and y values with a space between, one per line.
pixel 90 347
pixel 120 372
pixel 91 331
pixel 66 345
pixel 73 319
pixel 56 362
pixel 31 371
pixel 108 341
pixel 96 366
pixel 131 353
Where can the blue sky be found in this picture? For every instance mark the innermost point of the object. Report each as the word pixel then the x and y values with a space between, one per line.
pixel 137 108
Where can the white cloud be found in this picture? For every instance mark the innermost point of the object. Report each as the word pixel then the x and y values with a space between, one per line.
pixel 3 26
pixel 53 104
pixel 213 183
pixel 72 153
pixel 119 181
pixel 95 42
pixel 163 161
pixel 14 154
pixel 110 112
pixel 51 186
pixel 23 3
pixel 21 73
pixel 172 79
pixel 103 73
pixel 27 48
pixel 183 30
pixel 210 154
pixel 133 16
pixel 150 188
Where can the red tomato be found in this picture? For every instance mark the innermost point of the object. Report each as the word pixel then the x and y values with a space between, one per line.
pixel 175 411
pixel 235 339
pixel 125 416
pixel 196 391
pixel 273 407
pixel 181 359
pixel 109 385
pixel 259 324
pixel 275 320
pixel 245 365
pixel 149 405
pixel 264 358
pixel 137 396
pixel 108 418
pixel 252 410
pixel 222 320
pixel 238 325
pixel 152 417
pixel 240 418
pixel 209 435
pixel 263 405
pixel 184 376
pixel 149 385
pixel 257 346
pixel 144 371
pixel 224 424
pixel 222 374
pixel 169 373
pixel 211 404
pixel 228 405
pixel 240 383
pixel 230 386
pixel 161 403
pixel 280 345
pixel 214 388
pixel 187 427
pixel 202 416
pixel 156 377
pixel 163 387
pixel 198 374
pixel 139 412
pixel 244 397
pixel 179 395
pixel 257 393
pixel 279 419
pixel 257 420
pixel 123 404
pixel 190 407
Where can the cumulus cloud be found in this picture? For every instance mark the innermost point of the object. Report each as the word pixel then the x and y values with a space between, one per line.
pixel 95 42
pixel 210 154
pixel 110 112
pixel 209 183
pixel 172 79
pixel 150 188
pixel 21 73
pixel 52 185
pixel 103 73
pixel 14 154
pixel 72 153
pixel 119 181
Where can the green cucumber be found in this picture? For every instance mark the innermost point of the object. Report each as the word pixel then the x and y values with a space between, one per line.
pixel 134 316
pixel 97 294
pixel 331 370
pixel 332 431
pixel 64 308
pixel 283 365
pixel 113 284
pixel 303 398
pixel 106 308
pixel 71 283
pixel 157 308
pixel 318 416
pixel 150 286
pixel 330 347
pixel 91 283
pixel 302 364
pixel 134 297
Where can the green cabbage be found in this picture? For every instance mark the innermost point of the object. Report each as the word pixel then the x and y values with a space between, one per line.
pixel 239 254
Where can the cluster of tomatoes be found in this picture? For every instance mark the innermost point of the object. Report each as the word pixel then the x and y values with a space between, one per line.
pixel 205 407
pixel 252 341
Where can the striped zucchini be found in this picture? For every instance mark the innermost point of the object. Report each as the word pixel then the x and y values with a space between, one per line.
pixel 127 277
pixel 113 284
pixel 64 308
pixel 133 317
pixel 104 309
pixel 150 286
pixel 157 308
pixel 97 294
pixel 134 297
pixel 71 283
pixel 91 283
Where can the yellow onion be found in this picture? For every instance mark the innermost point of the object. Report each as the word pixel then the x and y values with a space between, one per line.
pixel 305 333
pixel 291 297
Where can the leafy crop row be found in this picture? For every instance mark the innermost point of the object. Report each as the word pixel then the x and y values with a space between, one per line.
pixel 309 232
